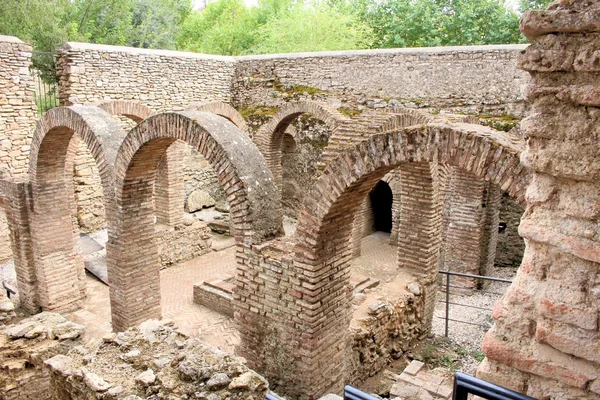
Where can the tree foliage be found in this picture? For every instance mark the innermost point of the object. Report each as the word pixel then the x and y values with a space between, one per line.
pixel 418 23
pixel 229 27
pixel 316 27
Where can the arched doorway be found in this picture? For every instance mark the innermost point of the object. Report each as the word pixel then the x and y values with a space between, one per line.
pixel 381 198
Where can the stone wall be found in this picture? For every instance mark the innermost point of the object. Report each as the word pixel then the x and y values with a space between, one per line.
pixel 469 79
pixel 162 80
pixel 546 340
pixel 18 111
pixel 300 152
pixel 384 330
pixel 18 114
pixel 183 242
pixel 152 361
pixel 23 349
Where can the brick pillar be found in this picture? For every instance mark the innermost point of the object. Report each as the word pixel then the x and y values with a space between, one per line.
pixel 17 205
pixel 464 213
pixel 396 187
pixel 361 226
pixel 169 192
pixel 546 339
pixel 420 225
pixel 489 231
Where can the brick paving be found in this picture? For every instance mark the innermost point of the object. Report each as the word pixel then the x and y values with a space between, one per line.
pixel 176 290
pixel 176 284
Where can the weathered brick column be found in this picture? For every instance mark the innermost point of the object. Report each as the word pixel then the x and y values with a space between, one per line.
pixel 420 227
pixel 169 192
pixel 471 224
pixel 546 340
pixel 489 232
pixel 17 205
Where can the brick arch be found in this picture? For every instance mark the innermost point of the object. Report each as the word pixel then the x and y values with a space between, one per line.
pixel 59 277
pixel 224 110
pixel 133 110
pixel 269 137
pixel 396 119
pixel 322 250
pixel 132 255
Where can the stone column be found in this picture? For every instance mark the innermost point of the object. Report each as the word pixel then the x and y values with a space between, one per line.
pixel 546 340
pixel 169 191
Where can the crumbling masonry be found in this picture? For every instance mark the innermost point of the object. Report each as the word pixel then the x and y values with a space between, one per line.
pixel 292 298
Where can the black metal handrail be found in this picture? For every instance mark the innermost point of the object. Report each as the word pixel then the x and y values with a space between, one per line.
pixel 351 393
pixel 466 384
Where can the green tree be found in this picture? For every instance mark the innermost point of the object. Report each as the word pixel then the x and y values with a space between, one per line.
pixel 415 23
pixel 45 24
pixel 225 27
pixel 526 5
pixel 313 27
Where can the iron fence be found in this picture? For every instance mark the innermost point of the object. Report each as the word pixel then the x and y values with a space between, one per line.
pixel 448 286
pixel 46 83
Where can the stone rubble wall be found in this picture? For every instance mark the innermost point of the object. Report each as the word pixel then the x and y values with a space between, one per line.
pixel 183 242
pixel 163 80
pixel 546 340
pixel 388 330
pixel 152 361
pixel 23 349
pixel 469 79
pixel 18 111
pixel 18 114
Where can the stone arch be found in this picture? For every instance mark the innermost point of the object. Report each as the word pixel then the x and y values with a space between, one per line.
pixel 322 252
pixel 269 137
pixel 133 264
pixel 224 110
pixel 59 278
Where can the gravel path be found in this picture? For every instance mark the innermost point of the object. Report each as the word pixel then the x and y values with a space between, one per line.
pixel 467 338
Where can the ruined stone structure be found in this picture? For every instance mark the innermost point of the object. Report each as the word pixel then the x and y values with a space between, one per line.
pixel 545 340
pixel 152 360
pixel 292 296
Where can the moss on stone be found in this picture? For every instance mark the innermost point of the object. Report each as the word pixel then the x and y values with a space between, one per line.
pixel 349 112
pixel 256 116
pixel 296 90
pixel 502 123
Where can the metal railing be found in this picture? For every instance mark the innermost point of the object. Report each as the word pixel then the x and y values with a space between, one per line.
pixel 449 286
pixel 464 385
pixel 351 393
pixel 45 81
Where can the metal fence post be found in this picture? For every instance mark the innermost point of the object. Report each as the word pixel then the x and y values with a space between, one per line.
pixel 447 303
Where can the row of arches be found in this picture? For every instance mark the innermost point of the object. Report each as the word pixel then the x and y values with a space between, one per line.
pixel 128 163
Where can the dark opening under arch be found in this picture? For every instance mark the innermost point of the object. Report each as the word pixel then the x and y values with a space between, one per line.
pixel 381 203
